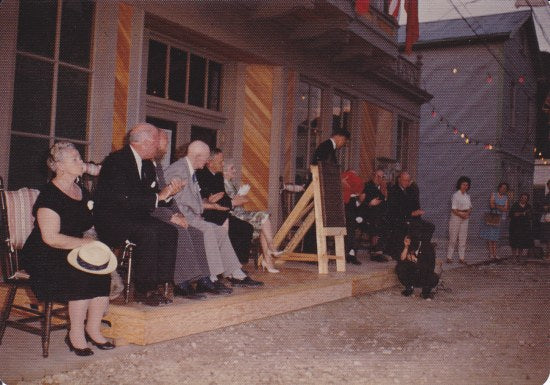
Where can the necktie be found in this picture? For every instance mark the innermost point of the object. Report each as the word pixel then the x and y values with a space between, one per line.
pixel 143 173
pixel 194 177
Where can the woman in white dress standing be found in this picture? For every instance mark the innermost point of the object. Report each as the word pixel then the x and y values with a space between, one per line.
pixel 461 207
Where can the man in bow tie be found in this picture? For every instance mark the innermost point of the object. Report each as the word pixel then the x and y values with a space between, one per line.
pixel 127 193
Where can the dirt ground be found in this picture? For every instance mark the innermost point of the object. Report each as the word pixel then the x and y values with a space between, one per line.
pixel 488 324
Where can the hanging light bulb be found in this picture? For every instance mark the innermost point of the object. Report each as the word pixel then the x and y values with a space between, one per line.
pixel 434 114
pixel 454 70
pixel 467 140
pixel 455 131
pixel 521 79
pixel 462 135
pixel 489 79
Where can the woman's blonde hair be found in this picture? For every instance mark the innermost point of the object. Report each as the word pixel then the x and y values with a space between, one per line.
pixel 57 152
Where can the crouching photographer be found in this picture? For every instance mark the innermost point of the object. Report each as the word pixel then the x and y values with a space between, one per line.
pixel 416 266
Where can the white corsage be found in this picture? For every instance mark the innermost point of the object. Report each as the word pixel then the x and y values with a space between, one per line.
pixel 153 184
pixel 90 205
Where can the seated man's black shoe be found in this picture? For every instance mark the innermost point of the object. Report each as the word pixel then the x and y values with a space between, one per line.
pixel 408 291
pixel 353 260
pixel 222 288
pixel 379 257
pixel 247 282
pixel 205 285
pixel 185 290
pixel 149 298
pixel 427 294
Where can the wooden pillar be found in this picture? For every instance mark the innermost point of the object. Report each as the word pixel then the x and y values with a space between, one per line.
pixel 120 105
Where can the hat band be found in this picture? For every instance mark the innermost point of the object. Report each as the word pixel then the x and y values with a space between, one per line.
pixel 89 266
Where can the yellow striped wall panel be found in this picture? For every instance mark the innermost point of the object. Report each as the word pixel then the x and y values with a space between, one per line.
pixel 121 74
pixel 256 134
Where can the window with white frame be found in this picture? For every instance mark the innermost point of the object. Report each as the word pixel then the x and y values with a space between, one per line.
pixel 51 85
pixel 402 136
pixel 180 75
pixel 308 115
pixel 341 119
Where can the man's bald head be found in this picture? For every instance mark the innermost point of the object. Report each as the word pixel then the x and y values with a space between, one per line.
pixel 404 179
pixel 198 153
pixel 144 139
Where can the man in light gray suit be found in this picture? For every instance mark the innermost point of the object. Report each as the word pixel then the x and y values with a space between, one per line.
pixel 219 251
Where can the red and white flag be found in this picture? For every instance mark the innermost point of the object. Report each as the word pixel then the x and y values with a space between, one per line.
pixel 411 7
pixel 362 6
pixel 393 8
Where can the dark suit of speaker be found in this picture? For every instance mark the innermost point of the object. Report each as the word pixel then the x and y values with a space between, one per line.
pixel 124 202
pixel 240 232
pixel 325 153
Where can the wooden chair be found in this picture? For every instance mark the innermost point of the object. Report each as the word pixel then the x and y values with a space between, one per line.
pixel 16 226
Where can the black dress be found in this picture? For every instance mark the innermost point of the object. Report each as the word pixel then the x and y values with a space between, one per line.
pixel 521 227
pixel 52 278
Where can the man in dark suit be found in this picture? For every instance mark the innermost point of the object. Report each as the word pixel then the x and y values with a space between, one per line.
pixel 405 215
pixel 326 152
pixel 374 210
pixel 211 182
pixel 127 192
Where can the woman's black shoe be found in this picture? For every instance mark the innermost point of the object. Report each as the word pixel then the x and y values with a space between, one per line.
pixel 78 352
pixel 106 346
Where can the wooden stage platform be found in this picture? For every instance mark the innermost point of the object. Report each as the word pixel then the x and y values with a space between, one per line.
pixel 297 286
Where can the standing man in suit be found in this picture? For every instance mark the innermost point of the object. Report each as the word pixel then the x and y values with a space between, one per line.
pixel 191 264
pixel 211 182
pixel 219 251
pixel 326 152
pixel 127 193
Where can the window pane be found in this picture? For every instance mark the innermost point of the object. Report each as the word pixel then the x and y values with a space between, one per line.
pixel 207 135
pixel 156 69
pixel 36 28
pixel 178 75
pixel 314 118
pixel 27 162
pixel 214 83
pixel 72 104
pixel 32 96
pixel 336 112
pixel 196 80
pixel 346 113
pixel 76 32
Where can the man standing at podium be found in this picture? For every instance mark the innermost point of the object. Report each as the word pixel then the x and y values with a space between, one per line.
pixel 326 152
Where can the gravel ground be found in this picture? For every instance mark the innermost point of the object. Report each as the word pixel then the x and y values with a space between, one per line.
pixel 488 324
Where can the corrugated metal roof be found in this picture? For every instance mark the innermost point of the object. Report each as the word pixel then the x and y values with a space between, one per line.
pixel 458 29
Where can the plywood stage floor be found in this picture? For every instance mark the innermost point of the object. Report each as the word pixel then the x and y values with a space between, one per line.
pixel 297 286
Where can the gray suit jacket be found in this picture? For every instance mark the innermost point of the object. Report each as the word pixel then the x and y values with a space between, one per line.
pixel 189 199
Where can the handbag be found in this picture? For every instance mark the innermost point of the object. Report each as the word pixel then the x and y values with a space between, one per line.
pixel 492 218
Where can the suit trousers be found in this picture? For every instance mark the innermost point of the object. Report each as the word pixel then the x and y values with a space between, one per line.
pixel 155 251
pixel 220 254
pixel 458 231
pixel 240 234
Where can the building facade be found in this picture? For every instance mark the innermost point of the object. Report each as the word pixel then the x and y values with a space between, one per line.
pixel 482 120
pixel 264 81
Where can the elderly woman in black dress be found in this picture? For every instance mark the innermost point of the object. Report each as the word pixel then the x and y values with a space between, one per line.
pixel 521 226
pixel 63 212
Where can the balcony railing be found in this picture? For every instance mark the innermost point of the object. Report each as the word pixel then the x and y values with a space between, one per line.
pixel 410 72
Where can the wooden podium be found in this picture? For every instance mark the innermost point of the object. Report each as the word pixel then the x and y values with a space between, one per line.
pixel 323 205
